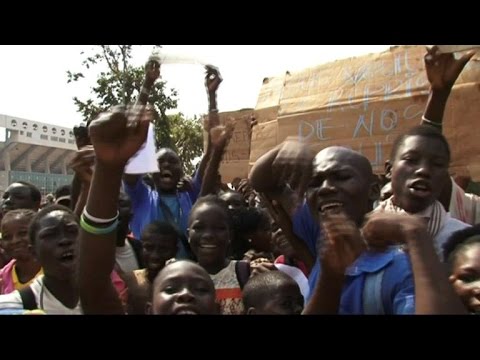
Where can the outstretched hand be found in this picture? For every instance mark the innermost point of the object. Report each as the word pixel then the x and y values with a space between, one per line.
pixel 83 162
pixel 293 165
pixel 212 79
pixel 118 134
pixel 152 71
pixel 443 69
pixel 221 135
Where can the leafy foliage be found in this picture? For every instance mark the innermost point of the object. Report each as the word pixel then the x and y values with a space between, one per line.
pixel 119 82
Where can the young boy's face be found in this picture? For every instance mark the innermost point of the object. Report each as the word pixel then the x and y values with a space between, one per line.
pixel 183 288
pixel 419 172
pixel 15 238
pixel 157 249
pixel 286 300
pixel 465 277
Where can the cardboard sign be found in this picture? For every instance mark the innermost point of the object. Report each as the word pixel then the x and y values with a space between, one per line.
pixel 364 103
pixel 237 153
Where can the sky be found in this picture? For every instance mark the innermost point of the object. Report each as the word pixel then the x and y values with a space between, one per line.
pixel 33 80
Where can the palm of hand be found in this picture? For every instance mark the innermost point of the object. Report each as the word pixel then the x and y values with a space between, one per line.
pixel 212 79
pixel 152 71
pixel 443 72
pixel 443 69
pixel 221 134
pixel 343 243
pixel 117 151
pixel 212 84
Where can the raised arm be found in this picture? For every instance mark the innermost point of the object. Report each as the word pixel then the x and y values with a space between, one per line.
pixel 219 137
pixel 82 164
pixel 434 294
pixel 442 73
pixel 152 73
pixel 212 82
pixel 289 165
pixel 116 137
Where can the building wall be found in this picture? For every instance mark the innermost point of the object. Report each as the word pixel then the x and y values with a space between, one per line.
pixel 34 136
pixel 37 133
pixel 46 183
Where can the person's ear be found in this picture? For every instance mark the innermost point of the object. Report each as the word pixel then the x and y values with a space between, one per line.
pixel 148 308
pixel 388 170
pixel 251 311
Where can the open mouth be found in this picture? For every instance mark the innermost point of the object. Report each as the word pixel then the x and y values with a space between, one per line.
pixel 68 257
pixel 185 311
pixel 330 206
pixel 166 175
pixel 208 246
pixel 420 188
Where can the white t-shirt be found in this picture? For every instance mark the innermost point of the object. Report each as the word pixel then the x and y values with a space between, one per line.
pixel 125 258
pixel 44 298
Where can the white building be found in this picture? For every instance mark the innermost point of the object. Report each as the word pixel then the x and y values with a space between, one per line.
pixel 34 152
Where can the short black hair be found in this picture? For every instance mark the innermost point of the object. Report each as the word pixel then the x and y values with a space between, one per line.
pixel 160 227
pixel 63 190
pixel 213 200
pixel 245 221
pixel 419 130
pixel 261 287
pixel 459 241
pixel 26 214
pixel 34 192
pixel 35 223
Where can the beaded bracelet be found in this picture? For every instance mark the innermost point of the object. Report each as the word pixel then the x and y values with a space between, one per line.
pixel 432 123
pixel 97 230
pixel 98 220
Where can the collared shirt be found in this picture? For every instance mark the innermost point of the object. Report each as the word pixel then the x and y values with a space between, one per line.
pixel 398 277
pixel 398 289
pixel 146 208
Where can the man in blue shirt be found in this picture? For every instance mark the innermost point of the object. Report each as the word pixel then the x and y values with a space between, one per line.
pixel 165 202
pixel 338 178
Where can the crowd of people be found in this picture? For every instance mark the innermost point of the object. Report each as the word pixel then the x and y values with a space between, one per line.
pixel 304 234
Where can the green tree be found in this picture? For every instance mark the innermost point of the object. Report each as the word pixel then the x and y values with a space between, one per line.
pixel 119 82
pixel 187 139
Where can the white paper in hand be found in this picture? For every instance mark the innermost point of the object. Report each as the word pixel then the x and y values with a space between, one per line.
pixel 169 57
pixel 144 161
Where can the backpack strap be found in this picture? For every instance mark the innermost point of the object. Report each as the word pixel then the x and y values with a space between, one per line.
pixel 171 220
pixel 242 270
pixel 28 298
pixel 372 294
